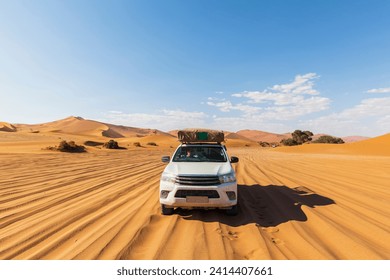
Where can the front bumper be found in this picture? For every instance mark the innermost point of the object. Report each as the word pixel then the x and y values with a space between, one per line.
pixel 222 196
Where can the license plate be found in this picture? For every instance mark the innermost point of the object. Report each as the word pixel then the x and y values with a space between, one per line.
pixel 197 199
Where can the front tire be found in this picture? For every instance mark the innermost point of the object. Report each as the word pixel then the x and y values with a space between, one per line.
pixel 165 210
pixel 232 211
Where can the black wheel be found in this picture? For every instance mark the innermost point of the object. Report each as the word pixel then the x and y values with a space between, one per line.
pixel 165 210
pixel 232 211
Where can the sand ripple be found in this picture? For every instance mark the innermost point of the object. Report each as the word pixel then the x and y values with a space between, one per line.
pixel 104 205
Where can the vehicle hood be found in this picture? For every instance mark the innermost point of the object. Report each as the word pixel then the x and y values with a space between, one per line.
pixel 199 168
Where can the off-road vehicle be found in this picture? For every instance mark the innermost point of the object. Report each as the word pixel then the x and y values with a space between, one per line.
pixel 199 174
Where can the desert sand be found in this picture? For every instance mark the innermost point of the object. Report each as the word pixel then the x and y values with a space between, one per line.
pixel 310 202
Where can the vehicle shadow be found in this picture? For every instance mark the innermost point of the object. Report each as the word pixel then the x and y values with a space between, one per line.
pixel 264 205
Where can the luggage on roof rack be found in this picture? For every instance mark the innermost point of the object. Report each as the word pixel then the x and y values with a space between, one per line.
pixel 200 135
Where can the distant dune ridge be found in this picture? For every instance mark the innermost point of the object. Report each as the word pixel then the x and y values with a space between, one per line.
pixel 351 139
pixel 379 146
pixel 256 135
pixel 76 127
pixel 7 127
pixel 235 135
pixel 80 126
pixel 314 201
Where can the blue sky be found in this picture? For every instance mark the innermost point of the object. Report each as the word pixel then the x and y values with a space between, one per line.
pixel 274 65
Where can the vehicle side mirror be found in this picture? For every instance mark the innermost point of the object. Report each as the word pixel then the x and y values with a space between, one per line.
pixel 166 159
pixel 234 159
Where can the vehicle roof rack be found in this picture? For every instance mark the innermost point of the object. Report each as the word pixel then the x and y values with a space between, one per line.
pixel 200 143
pixel 199 135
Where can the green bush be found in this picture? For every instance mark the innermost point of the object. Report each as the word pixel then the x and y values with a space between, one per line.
pixel 329 139
pixel 289 142
pixel 111 145
pixel 298 137
pixel 93 143
pixel 70 147
pixel 264 144
pixel 301 137
pixel 137 144
pixel 268 144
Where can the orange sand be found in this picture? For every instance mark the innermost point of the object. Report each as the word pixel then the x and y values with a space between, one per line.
pixel 295 203
pixel 379 146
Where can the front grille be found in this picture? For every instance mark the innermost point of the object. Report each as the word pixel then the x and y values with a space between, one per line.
pixel 208 193
pixel 197 180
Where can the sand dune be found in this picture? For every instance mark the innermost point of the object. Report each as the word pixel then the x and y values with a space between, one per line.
pixel 379 146
pixel 126 131
pixel 80 126
pixel 7 127
pixel 233 135
pixel 104 204
pixel 157 141
pixel 257 135
pixel 70 125
pixel 351 139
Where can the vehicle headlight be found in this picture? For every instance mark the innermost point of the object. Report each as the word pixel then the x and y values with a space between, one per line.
pixel 226 178
pixel 168 177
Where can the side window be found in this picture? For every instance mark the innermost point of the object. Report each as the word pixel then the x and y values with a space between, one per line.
pixel 180 153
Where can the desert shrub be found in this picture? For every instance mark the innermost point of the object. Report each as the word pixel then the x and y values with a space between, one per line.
pixel 137 144
pixel 289 142
pixel 69 147
pixel 301 137
pixel 111 145
pixel 93 143
pixel 298 137
pixel 267 144
pixel 264 144
pixel 151 144
pixel 329 139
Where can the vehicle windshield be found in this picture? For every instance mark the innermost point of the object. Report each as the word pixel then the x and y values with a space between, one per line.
pixel 200 154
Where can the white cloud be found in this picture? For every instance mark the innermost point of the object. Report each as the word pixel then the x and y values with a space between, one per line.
pixel 307 106
pixel 279 108
pixel 384 122
pixel 248 122
pixel 370 117
pixel 223 106
pixel 368 107
pixel 279 102
pixel 302 84
pixel 165 120
pixel 115 112
pixel 379 90
pixel 227 106
pixel 285 94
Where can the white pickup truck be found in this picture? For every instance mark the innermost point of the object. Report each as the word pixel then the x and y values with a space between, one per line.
pixel 199 174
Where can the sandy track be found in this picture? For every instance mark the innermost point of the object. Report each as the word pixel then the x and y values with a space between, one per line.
pixel 104 205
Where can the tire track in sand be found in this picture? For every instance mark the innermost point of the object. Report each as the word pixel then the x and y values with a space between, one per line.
pixel 104 205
